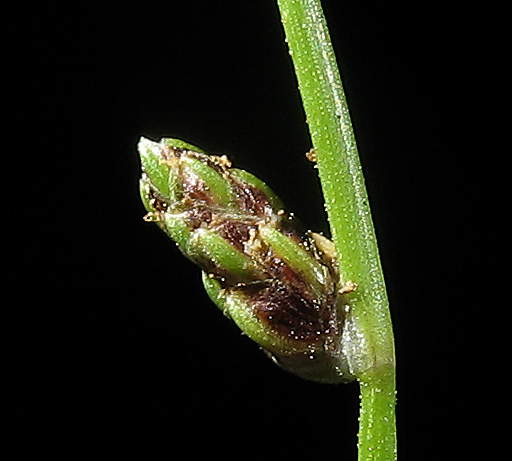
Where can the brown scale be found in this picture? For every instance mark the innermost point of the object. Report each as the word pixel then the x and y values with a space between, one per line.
pixel 169 153
pixel 235 232
pixel 195 190
pixel 252 200
pixel 282 271
pixel 197 216
pixel 155 202
pixel 290 312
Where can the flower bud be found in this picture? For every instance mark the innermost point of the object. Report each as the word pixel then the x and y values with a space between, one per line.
pixel 280 286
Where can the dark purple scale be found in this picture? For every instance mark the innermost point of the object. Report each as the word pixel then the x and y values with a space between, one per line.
pixel 252 200
pixel 235 232
pixel 290 311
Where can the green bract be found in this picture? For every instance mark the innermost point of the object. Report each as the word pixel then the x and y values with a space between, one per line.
pixel 280 286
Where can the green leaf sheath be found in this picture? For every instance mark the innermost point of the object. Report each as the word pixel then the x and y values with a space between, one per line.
pixel 278 285
pixel 350 219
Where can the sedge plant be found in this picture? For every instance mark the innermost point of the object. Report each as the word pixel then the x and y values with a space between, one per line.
pixel 317 307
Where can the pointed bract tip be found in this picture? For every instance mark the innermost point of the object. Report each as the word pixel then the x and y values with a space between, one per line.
pixel 145 146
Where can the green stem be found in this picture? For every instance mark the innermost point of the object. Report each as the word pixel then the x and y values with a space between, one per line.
pixel 349 215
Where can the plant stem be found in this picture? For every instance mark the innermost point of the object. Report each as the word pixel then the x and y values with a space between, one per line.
pixel 349 215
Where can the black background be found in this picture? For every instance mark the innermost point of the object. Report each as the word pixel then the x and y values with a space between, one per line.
pixel 114 346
